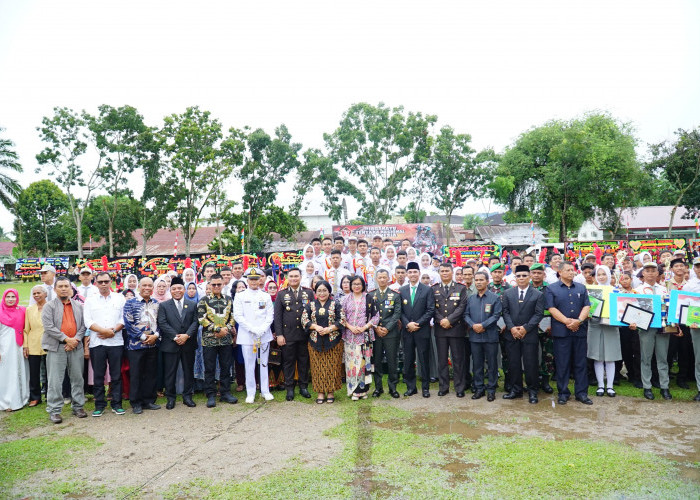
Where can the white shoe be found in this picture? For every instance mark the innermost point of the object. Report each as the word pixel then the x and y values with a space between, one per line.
pixel 268 396
pixel 250 399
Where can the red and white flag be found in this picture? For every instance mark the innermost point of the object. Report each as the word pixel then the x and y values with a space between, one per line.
pixel 175 244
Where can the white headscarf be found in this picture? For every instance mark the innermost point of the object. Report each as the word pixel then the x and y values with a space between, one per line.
pixel 304 263
pixel 429 268
pixel 412 254
pixel 641 257
pixel 605 269
pixel 306 277
pixel 189 279
pixel 126 283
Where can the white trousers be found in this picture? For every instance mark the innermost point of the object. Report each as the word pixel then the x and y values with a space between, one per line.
pixel 251 364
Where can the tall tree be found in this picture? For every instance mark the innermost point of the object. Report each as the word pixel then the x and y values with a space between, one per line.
pixel 456 174
pixel 9 187
pixel 266 163
pixel 565 172
pixel 66 136
pixel 117 133
pixel 190 143
pixel 40 209
pixel 97 221
pixel 678 164
pixel 381 148
pixel 156 202
pixel 272 219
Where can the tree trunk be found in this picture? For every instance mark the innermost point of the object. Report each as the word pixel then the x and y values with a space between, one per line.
pixel 46 235
pixel 670 223
pixel 143 235
pixel 79 234
pixel 110 235
pixel 187 243
pixel 448 214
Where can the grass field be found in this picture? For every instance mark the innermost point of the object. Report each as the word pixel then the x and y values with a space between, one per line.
pixel 24 289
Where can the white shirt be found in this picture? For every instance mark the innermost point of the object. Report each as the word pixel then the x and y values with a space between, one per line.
pixel 254 313
pixel 333 276
pixel 349 261
pixel 88 291
pixel 551 276
pixel 105 312
pixel 656 289
pixel 522 290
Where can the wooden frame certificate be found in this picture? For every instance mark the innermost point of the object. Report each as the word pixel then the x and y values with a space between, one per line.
pixel 641 317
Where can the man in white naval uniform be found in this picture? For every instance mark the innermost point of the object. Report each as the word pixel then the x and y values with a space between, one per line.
pixel 254 313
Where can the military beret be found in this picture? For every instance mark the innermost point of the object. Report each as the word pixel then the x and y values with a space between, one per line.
pixel 537 266
pixel 498 266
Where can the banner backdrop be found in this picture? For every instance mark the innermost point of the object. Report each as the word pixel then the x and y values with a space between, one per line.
pixel 125 265
pixel 423 237
pixel 285 260
pixel 29 267
pixel 461 254
pixel 633 246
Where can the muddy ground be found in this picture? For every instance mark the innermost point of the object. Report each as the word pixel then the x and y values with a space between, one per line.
pixel 151 451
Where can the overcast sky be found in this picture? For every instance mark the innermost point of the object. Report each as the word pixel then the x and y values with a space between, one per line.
pixel 490 68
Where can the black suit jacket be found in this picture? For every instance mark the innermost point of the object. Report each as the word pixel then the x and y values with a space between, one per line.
pixel 450 304
pixel 288 310
pixel 170 324
pixel 528 314
pixel 421 311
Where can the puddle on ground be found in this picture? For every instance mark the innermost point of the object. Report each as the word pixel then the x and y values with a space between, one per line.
pixel 668 430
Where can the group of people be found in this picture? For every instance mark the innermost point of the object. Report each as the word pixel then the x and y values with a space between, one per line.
pixel 346 315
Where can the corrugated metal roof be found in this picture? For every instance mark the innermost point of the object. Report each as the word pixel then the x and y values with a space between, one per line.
pixel 512 234
pixel 655 217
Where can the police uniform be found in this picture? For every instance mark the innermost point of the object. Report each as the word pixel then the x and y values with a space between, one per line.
pixel 254 313
pixel 389 305
pixel 450 302
pixel 289 306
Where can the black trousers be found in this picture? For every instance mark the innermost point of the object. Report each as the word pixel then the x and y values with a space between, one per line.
pixel 456 346
pixel 571 352
pixel 416 342
pixel 35 376
pixel 225 355
pixel 521 354
pixel 296 355
pixel 99 356
pixel 485 352
pixel 171 360
pixel 683 348
pixel 390 346
pixel 629 343
pixel 143 364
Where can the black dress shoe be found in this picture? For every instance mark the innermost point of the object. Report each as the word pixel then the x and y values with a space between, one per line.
pixel 189 402
pixel 410 392
pixel 460 394
pixel 648 394
pixel 151 406
pixel 433 380
pixel 304 392
pixel 211 401
pixel 377 393
pixel 442 393
pixel 562 400
pixel 666 394
pixel 491 396
pixel 513 395
pixel 682 384
pixel 533 398
pixel 478 394
pixel 228 398
pixel 584 399
pixel 137 409
pixel 170 404
pixel 426 393
pixel 290 395
pixel 697 397
pixel 395 394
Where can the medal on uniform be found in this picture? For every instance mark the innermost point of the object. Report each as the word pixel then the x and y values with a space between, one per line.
pixel 288 308
pixel 321 311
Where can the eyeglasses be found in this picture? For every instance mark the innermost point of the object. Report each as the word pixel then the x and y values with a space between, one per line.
pixel 522 275
pixel 216 284
pixel 104 282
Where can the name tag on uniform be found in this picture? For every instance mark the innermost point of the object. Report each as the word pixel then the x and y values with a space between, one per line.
pixel 487 308
pixel 261 305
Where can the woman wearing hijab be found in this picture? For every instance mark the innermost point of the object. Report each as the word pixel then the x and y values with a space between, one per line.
pixel 14 368
pixel 33 332
pixel 425 263
pixel 160 290
pixel 389 260
pixel 131 282
pixel 189 276
pixel 274 371
pixel 603 343
pixel 361 317
pixel 412 254
pixel 308 271
pixel 323 319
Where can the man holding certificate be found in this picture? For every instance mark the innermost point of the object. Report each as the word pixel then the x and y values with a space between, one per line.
pixel 650 341
pixel 569 305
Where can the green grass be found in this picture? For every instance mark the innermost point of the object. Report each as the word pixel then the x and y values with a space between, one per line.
pixel 24 289
pixel 21 458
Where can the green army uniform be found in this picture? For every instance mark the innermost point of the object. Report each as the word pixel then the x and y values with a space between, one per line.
pixel 389 305
pixel 498 290
pixel 546 344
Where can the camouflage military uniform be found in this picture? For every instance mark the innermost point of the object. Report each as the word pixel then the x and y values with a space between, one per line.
pixel 546 344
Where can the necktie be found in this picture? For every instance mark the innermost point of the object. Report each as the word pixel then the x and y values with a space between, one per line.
pixel 522 295
pixel 179 307
pixel 413 294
